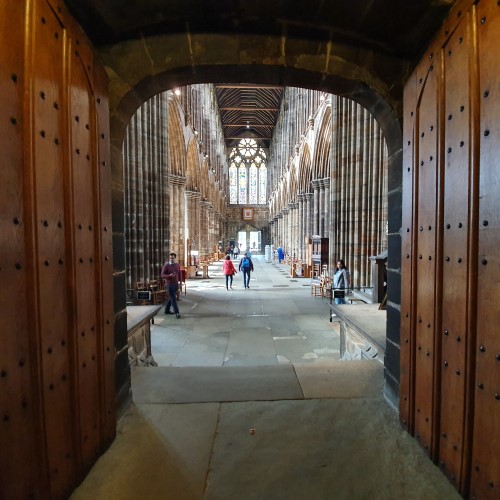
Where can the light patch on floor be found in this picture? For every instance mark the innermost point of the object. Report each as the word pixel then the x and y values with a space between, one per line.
pixel 291 337
pixel 327 350
pixel 310 355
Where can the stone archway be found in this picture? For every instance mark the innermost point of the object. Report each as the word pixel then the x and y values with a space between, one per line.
pixel 128 91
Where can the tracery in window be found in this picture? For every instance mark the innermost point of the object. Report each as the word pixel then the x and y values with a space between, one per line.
pixel 262 184
pixel 233 180
pixel 252 198
pixel 247 174
pixel 242 174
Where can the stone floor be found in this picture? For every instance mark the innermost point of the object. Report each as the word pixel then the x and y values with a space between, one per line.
pixel 250 401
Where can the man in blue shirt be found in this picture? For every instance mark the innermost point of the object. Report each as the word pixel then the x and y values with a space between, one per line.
pixel 246 265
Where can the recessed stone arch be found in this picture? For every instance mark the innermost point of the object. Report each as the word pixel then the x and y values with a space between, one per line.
pixel 321 168
pixel 176 146
pixel 193 167
pixel 354 76
pixel 305 173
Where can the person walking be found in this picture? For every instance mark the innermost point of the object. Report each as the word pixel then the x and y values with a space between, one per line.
pixel 236 252
pixel 246 265
pixel 229 271
pixel 171 276
pixel 281 254
pixel 341 281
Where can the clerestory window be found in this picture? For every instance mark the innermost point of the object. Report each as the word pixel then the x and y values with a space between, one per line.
pixel 247 174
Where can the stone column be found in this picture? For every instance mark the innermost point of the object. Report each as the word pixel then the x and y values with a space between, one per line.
pixel 291 223
pixel 315 213
pixel 327 206
pixel 286 230
pixel 323 206
pixel 301 225
pixel 309 212
pixel 211 228
pixel 281 236
pixel 203 226
pixel 191 221
pixel 177 219
pixel 296 211
pixel 309 201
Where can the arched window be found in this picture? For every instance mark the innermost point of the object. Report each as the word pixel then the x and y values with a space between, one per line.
pixel 247 174
pixel 233 184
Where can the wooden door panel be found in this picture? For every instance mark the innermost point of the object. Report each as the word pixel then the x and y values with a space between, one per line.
pixel 48 157
pixel 407 344
pixel 84 205
pixel 18 407
pixel 425 255
pixel 106 341
pixel 453 334
pixel 55 409
pixel 485 464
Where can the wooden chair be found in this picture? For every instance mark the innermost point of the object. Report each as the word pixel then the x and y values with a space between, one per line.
pixel 141 286
pixel 317 287
pixel 182 284
pixel 158 292
pixel 315 270
pixel 327 287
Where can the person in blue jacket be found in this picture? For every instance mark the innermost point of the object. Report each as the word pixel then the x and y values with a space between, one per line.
pixel 246 265
pixel 281 254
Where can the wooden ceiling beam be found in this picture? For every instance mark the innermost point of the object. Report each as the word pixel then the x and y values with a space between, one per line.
pixel 249 109
pixel 265 138
pixel 243 86
pixel 245 124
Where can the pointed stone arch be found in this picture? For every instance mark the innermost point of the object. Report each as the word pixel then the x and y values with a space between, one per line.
pixel 176 144
pixel 349 78
pixel 305 170
pixel 192 167
pixel 293 183
pixel 321 164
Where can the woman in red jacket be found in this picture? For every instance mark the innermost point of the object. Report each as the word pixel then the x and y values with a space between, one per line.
pixel 228 270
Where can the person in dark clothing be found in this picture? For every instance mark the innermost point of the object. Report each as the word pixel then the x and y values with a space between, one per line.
pixel 341 280
pixel 246 265
pixel 171 275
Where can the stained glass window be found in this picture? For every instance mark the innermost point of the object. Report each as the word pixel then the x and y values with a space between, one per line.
pixel 252 199
pixel 262 184
pixel 233 180
pixel 247 174
pixel 242 198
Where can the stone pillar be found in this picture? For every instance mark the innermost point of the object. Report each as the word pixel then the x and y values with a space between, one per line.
pixel 315 212
pixel 321 209
pixel 177 219
pixel 301 224
pixel 203 226
pixel 286 229
pixel 327 209
pixel 211 229
pixel 323 215
pixel 309 202
pixel 291 223
pixel 296 218
pixel 309 212
pixel 281 236
pixel 222 231
pixel 191 222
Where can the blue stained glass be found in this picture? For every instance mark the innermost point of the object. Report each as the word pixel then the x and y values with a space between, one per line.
pixel 233 189
pixel 253 185
pixel 262 184
pixel 242 198
pixel 247 185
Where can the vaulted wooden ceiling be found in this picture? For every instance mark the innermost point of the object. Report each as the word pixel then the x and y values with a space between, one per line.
pixel 394 29
pixel 248 111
